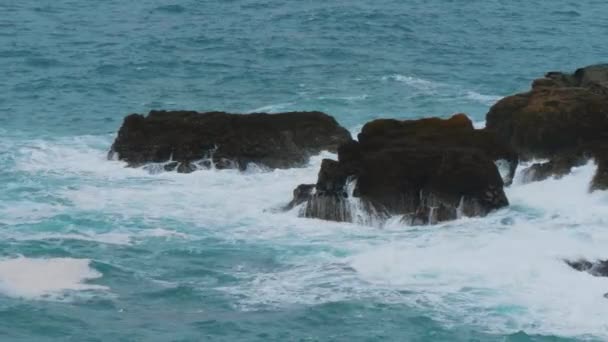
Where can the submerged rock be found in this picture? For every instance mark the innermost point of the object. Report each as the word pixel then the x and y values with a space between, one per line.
pixel 428 170
pixel 224 140
pixel 597 268
pixel 564 118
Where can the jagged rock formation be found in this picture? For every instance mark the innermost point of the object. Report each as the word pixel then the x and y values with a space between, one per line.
pixel 192 139
pixel 428 170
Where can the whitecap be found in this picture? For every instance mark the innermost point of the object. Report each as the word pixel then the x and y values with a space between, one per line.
pixel 111 238
pixel 52 278
pixel 415 82
pixel 479 124
pixel 272 108
pixel 352 98
pixel 481 98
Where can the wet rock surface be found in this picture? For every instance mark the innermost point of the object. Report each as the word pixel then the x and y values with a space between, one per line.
pixel 428 170
pixel 564 118
pixel 192 139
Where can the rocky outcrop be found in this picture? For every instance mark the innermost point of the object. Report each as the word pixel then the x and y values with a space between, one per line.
pixel 187 140
pixel 564 118
pixel 427 170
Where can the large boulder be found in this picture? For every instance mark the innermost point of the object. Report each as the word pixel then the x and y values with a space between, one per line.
pixel 427 170
pixel 564 118
pixel 185 139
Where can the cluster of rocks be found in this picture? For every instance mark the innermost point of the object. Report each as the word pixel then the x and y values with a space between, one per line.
pixel 427 170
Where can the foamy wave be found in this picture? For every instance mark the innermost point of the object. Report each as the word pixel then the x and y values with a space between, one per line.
pixel 415 82
pixel 507 270
pixel 443 90
pixel 352 98
pixel 273 108
pixel 502 273
pixel 25 211
pixel 483 99
pixel 479 124
pixel 301 284
pixel 46 278
pixel 69 156
pixel 111 238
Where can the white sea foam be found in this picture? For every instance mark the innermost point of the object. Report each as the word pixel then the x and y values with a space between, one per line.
pixel 415 82
pixel 481 98
pixel 113 238
pixel 117 237
pixel 479 124
pixel 504 272
pixel 507 269
pixel 46 278
pixel 441 90
pixel 272 108
pixel 27 211
pixel 351 98
pixel 83 155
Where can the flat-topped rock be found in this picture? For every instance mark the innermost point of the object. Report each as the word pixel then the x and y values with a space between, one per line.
pixel 192 139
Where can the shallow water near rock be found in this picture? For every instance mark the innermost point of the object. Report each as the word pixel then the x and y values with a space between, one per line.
pixel 93 251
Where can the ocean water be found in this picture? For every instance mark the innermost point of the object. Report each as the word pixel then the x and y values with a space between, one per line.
pixel 93 251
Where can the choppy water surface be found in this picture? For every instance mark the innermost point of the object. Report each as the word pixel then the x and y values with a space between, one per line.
pixel 91 250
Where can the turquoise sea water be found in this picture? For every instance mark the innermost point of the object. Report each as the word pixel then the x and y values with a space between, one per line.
pixel 92 251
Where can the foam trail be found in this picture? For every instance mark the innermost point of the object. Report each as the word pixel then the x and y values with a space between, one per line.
pixel 273 108
pixel 481 98
pixel 45 278
pixel 414 82
pixel 441 90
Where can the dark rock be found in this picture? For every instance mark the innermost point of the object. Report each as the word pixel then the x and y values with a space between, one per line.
pixel 229 140
pixel 562 113
pixel 597 268
pixel 455 132
pixel 548 121
pixel 186 167
pixel 301 194
pixel 594 75
pixel 171 166
pixel 331 207
pixel 332 178
pixel 600 180
pixel 590 77
pixel 428 170
pixel 557 167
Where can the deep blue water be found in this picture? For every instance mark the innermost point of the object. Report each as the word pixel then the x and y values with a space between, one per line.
pixel 92 251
